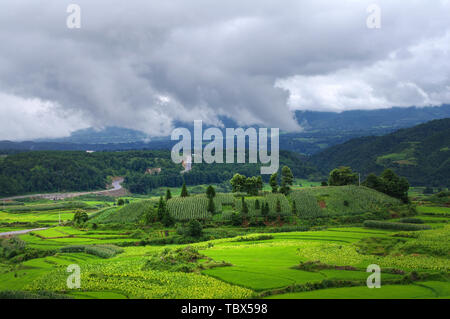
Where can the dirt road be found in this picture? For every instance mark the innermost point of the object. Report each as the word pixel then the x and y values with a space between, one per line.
pixel 116 190
pixel 19 232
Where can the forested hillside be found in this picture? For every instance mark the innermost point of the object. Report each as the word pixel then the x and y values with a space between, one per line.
pixel 59 171
pixel 420 153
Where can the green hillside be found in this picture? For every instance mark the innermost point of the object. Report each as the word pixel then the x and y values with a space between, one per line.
pixel 421 154
pixel 309 203
pixel 339 200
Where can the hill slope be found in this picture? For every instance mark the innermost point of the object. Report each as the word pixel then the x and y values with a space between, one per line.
pixel 420 153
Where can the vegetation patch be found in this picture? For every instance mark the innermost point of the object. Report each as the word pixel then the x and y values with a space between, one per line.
pixel 396 226
pixel 317 266
pixel 184 259
pixel 102 251
pixel 18 294
pixel 254 238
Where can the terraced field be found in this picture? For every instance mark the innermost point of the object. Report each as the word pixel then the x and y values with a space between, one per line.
pixel 258 266
pixel 325 263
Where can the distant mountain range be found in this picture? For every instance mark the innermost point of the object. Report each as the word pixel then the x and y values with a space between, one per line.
pixel 103 136
pixel 420 153
pixel 321 130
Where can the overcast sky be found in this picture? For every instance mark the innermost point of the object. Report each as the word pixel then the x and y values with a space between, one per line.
pixel 143 64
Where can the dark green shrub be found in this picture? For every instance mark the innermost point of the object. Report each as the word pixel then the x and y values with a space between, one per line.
pixel 102 251
pixel 396 226
pixel 18 294
pixel 411 220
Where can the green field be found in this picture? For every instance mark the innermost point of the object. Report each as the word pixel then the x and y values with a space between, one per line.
pixel 420 291
pixel 268 261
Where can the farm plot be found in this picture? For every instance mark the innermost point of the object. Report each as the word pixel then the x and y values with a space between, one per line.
pixel 192 207
pixel 126 277
pixel 55 238
pixel 385 292
pixel 270 199
pixel 342 200
pixel 269 264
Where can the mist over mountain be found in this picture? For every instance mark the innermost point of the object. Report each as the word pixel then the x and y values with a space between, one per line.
pixel 320 130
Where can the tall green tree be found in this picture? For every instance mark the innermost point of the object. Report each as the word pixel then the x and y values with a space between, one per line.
pixel 342 176
pixel 184 191
pixel 210 192
pixel 150 215
pixel 395 186
pixel 273 182
pixel 253 185
pixel 238 183
pixel 167 219
pixel 168 194
pixel 287 179
pixel 278 206
pixel 194 228
pixel 80 217
pixel 390 184
pixel 161 208
pixel 211 206
pixel 374 182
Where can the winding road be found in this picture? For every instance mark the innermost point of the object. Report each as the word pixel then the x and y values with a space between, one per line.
pixel 20 232
pixel 116 186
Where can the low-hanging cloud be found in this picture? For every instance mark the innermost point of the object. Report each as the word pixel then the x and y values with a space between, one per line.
pixel 143 64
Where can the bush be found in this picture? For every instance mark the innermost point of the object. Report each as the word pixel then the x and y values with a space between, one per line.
pixel 411 220
pixel 181 259
pixel 396 226
pixel 194 229
pixel 18 294
pixel 102 251
pixel 254 238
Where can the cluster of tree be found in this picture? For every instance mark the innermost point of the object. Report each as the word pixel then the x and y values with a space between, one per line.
pixel 342 176
pixel 237 218
pixel 212 174
pixel 58 171
pixel 163 213
pixel 192 229
pixel 80 218
pixel 389 183
pixel 249 185
pixel 160 213
pixel 121 201
pixel 210 194
pixel 287 179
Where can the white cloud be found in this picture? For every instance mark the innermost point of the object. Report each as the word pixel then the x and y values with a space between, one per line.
pixel 417 75
pixel 24 119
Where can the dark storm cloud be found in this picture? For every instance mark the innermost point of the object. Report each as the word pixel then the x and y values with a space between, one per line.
pixel 142 64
